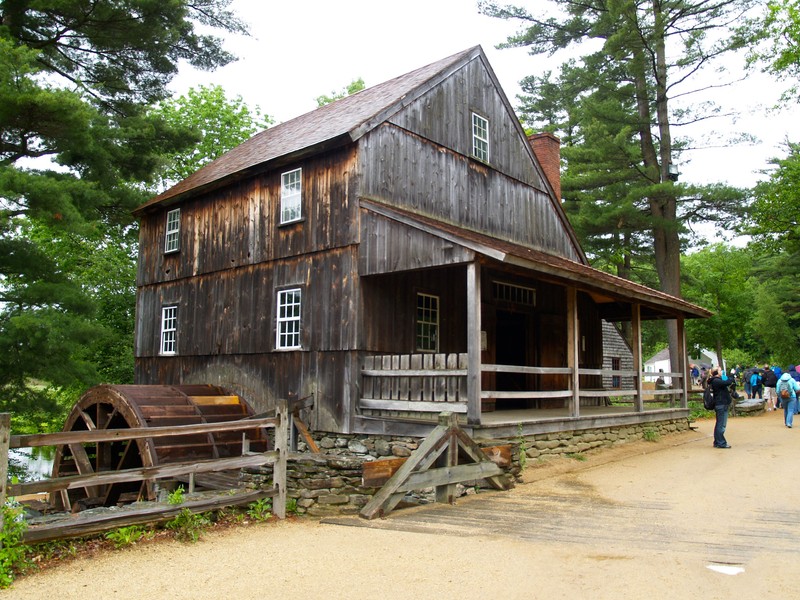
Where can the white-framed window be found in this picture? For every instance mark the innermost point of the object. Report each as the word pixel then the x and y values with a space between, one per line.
pixel 172 239
pixel 288 330
pixel 291 196
pixel 427 323
pixel 480 138
pixel 169 329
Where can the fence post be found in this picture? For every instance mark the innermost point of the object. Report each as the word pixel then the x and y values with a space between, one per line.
pixel 5 436
pixel 279 469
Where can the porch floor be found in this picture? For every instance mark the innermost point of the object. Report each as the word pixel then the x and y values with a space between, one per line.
pixel 511 422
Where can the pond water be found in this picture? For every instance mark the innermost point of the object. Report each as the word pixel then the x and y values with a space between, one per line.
pixel 31 464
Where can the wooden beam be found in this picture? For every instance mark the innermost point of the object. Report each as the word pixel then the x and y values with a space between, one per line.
pixel 636 348
pixel 301 427
pixel 376 506
pixel 406 405
pixel 279 468
pixel 77 527
pixel 156 472
pixel 108 435
pixel 573 350
pixel 474 343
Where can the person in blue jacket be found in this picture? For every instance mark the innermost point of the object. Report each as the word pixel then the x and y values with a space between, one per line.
pixel 722 402
pixel 786 382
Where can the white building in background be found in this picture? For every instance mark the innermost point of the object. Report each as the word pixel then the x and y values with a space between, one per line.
pixel 660 362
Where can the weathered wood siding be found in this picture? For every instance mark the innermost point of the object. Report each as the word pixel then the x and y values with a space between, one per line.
pixel 421 160
pixel 388 246
pixel 404 170
pixel 390 308
pixel 444 117
pixel 234 311
pixel 239 225
pixel 264 379
pixel 234 257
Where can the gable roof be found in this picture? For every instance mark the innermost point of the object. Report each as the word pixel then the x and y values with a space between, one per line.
pixel 331 125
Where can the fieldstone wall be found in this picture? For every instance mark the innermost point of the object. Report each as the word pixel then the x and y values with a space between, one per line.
pixel 330 483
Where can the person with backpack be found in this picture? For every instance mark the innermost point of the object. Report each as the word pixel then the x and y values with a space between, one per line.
pixel 769 380
pixel 755 384
pixel 722 402
pixel 787 389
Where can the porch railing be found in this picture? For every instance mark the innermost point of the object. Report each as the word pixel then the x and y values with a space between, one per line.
pixel 428 383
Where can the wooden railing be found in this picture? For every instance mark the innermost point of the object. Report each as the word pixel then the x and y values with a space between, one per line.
pixel 415 382
pixel 277 457
pixel 436 382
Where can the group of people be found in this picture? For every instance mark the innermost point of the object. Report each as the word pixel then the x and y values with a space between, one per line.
pixel 778 388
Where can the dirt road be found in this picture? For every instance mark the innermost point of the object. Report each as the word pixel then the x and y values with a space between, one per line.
pixel 668 519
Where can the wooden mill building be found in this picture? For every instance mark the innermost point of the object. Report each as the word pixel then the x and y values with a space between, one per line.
pixel 397 253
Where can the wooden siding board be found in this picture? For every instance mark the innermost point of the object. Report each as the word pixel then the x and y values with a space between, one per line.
pixel 238 226
pixel 388 247
pixel 492 203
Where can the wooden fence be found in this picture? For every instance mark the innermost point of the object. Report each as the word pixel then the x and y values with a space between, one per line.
pixel 86 526
pixel 422 383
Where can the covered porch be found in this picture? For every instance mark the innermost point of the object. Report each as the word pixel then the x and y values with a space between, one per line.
pixel 515 343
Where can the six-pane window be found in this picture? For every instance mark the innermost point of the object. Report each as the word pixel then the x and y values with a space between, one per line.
pixel 480 138
pixel 291 184
pixel 169 327
pixel 288 331
pixel 427 323
pixel 172 241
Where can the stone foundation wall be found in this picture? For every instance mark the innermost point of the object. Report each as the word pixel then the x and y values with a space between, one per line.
pixel 330 483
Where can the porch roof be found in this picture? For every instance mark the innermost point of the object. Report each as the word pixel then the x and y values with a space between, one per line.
pixel 613 295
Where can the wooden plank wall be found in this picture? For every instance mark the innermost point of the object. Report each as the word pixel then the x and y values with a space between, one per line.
pixel 411 173
pixel 238 226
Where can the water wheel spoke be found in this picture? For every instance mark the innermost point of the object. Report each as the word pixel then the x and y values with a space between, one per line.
pixel 84 466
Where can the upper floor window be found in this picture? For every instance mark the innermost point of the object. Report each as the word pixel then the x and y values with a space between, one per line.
pixel 291 196
pixel 172 240
pixel 169 329
pixel 427 323
pixel 288 330
pixel 480 138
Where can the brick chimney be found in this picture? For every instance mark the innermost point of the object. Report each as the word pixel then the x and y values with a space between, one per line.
pixel 547 149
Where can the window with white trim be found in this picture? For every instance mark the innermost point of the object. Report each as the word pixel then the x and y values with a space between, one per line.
pixel 288 330
pixel 172 239
pixel 427 323
pixel 291 196
pixel 480 138
pixel 169 329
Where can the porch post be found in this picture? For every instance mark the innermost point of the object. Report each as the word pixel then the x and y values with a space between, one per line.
pixel 684 362
pixel 636 346
pixel 473 343
pixel 573 350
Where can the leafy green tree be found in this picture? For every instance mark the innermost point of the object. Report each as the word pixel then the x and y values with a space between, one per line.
pixel 617 99
pixel 355 86
pixel 77 151
pixel 718 277
pixel 774 220
pixel 217 122
pixel 780 28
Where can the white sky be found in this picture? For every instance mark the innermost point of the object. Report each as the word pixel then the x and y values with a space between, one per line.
pixel 302 49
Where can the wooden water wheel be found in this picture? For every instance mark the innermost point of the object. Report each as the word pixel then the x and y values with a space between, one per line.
pixel 141 406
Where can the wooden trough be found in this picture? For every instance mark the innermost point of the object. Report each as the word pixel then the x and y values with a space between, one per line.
pixel 142 406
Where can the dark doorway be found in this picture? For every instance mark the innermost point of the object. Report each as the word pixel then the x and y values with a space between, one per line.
pixel 512 344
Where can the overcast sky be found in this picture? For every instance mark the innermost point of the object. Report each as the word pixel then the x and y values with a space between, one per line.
pixel 302 49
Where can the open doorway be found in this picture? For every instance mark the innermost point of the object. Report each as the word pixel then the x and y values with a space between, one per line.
pixel 511 349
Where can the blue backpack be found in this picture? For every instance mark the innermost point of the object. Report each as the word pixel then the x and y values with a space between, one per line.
pixel 755 380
